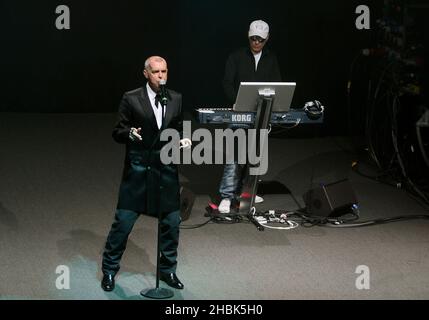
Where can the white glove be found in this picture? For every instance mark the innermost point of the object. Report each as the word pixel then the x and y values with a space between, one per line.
pixel 135 134
pixel 185 144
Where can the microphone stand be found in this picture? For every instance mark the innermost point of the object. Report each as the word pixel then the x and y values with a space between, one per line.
pixel 157 292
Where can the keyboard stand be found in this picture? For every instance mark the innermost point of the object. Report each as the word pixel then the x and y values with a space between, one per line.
pixel 250 182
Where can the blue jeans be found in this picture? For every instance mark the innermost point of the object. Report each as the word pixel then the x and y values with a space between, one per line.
pixel 118 237
pixel 233 174
pixel 232 181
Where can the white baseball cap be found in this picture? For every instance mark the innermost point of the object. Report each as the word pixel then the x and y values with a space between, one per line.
pixel 259 28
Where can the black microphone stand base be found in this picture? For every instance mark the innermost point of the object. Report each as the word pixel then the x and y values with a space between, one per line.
pixel 157 293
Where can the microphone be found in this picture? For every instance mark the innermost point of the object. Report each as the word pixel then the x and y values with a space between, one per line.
pixel 163 92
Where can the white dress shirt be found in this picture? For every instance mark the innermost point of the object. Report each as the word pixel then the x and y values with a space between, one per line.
pixel 157 110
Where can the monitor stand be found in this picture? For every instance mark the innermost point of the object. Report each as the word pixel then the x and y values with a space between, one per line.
pixel 250 182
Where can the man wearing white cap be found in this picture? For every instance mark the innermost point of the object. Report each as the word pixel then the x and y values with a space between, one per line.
pixel 248 64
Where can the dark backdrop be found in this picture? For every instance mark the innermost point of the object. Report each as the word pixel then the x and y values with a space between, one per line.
pixel 87 68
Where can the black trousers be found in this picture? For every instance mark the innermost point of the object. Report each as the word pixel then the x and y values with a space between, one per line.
pixel 118 237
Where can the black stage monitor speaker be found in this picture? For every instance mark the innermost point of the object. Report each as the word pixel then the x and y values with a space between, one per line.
pixel 187 198
pixel 334 199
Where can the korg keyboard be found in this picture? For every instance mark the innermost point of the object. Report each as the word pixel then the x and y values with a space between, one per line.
pixel 226 115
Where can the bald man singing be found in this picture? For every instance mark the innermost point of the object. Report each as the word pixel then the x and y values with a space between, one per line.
pixel 148 186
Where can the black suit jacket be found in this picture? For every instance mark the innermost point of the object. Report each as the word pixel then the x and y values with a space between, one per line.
pixel 240 67
pixel 147 185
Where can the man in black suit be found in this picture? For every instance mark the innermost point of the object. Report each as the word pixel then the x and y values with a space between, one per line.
pixel 147 186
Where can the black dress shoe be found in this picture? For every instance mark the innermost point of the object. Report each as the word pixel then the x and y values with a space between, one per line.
pixel 108 282
pixel 172 280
